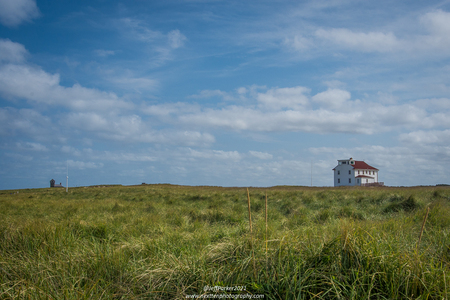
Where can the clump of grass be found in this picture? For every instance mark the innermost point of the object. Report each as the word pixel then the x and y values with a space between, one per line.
pixel 409 204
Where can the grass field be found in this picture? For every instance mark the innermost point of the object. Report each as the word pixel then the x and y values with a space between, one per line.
pixel 169 242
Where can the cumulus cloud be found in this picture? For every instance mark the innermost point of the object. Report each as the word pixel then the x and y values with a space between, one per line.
pixel 131 128
pixel 332 98
pixel 438 22
pixel 11 52
pixel 169 111
pixel 25 121
pixel 120 157
pixel 292 109
pixel 138 84
pixel 90 110
pixel 35 85
pixel 84 165
pixel 214 93
pixel 421 137
pixel 366 42
pixel 216 154
pixel 87 121
pixel 261 155
pixel 15 12
pixel 279 98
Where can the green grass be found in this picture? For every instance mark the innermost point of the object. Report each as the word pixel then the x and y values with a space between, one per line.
pixel 166 242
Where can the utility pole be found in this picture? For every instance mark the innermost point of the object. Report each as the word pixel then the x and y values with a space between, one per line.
pixel 67 177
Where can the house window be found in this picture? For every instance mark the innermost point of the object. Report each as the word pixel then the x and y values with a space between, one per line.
pixel 357 180
pixel 349 171
pixel 358 172
pixel 349 180
pixel 339 180
pixel 339 172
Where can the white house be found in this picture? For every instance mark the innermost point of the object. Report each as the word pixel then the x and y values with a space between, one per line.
pixel 350 172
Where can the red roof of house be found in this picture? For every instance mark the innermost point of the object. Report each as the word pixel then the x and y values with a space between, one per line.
pixel 362 165
pixel 364 176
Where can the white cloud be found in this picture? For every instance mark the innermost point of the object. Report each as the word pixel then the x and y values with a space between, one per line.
pixel 299 43
pixel 434 104
pixel 336 113
pixel 213 93
pixel 84 165
pixel 87 121
pixel 167 109
pixel 25 121
pixel 421 137
pixel 332 98
pixel 123 157
pixel 176 39
pixel 435 41
pixel 366 42
pixel 132 129
pixel 36 85
pixel 261 155
pixel 438 22
pixel 175 137
pixel 215 154
pixel 12 52
pixel 15 12
pixel 279 98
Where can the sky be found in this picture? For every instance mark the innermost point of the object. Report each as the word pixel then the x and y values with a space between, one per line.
pixel 223 93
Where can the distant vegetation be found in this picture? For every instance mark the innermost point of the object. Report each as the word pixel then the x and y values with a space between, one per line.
pixel 166 242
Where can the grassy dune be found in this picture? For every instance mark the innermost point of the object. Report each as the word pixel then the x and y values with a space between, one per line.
pixel 166 242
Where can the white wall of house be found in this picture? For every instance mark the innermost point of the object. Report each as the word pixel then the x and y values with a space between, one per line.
pixel 370 173
pixel 344 175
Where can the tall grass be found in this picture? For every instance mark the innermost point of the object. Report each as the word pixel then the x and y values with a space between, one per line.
pixel 166 242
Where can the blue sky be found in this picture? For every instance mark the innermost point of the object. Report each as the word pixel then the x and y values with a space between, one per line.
pixel 227 93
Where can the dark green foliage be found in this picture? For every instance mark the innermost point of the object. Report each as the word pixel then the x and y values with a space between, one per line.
pixel 401 204
pixel 323 216
pixel 349 212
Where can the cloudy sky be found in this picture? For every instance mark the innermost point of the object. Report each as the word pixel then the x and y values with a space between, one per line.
pixel 228 93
